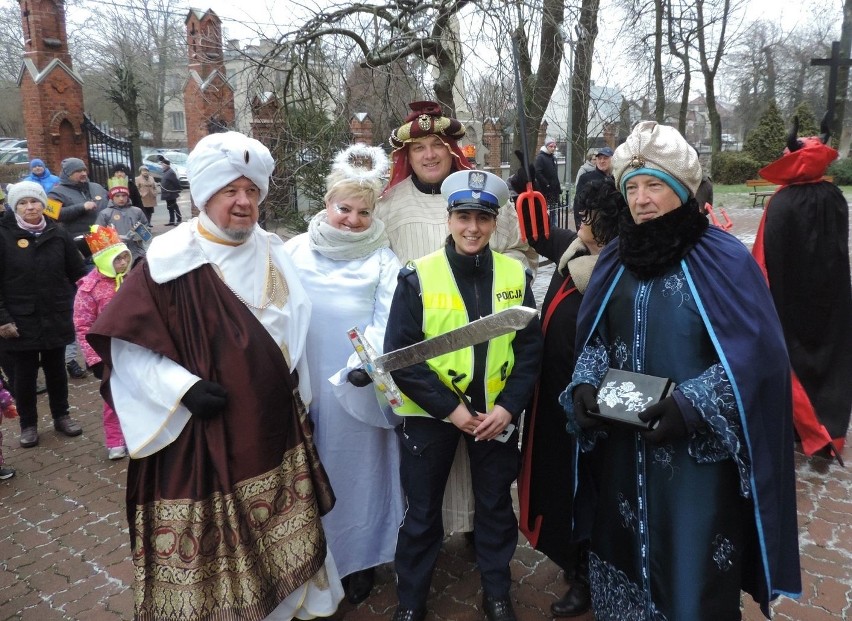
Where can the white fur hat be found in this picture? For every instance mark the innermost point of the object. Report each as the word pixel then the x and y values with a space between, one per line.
pixel 219 159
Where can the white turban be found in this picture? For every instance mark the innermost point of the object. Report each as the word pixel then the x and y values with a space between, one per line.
pixel 219 159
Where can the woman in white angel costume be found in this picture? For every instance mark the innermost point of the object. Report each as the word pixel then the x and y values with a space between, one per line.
pixel 349 272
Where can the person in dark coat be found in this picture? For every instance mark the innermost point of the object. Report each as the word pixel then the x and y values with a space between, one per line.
pixel 170 192
pixel 80 203
pixel 547 451
pixel 802 244
pixel 80 199
pixel 476 393
pixel 602 170
pixel 39 266
pixel 547 173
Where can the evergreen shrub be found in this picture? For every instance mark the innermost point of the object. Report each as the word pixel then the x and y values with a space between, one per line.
pixel 731 168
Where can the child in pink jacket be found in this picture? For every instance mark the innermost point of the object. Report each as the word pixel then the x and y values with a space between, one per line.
pixel 94 291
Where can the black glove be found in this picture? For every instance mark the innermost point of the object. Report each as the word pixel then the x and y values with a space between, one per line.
pixel 205 399
pixel 666 422
pixel 97 370
pixel 359 378
pixel 586 400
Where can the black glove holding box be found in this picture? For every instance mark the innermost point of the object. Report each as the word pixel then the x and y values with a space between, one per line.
pixel 623 395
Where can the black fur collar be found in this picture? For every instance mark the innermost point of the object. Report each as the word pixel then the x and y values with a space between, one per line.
pixel 651 248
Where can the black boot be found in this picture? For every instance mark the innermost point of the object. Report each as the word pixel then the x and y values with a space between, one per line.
pixel 358 585
pixel 576 601
pixel 498 609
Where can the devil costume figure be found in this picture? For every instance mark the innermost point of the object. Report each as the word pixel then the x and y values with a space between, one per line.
pixel 685 514
pixel 803 246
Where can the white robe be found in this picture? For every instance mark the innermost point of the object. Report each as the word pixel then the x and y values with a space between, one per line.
pixel 354 436
pixel 147 388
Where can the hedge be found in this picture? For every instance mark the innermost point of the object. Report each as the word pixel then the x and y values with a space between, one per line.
pixel 731 168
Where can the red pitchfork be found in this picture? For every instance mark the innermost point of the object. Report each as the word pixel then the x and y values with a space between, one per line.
pixel 533 199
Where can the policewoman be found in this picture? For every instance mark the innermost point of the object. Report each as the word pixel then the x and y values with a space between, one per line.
pixel 477 393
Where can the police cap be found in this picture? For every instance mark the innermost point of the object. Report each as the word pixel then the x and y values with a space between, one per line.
pixel 474 189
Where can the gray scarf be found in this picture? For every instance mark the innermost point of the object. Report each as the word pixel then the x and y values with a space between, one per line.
pixel 340 245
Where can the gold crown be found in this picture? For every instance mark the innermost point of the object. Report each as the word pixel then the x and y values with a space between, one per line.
pixel 101 237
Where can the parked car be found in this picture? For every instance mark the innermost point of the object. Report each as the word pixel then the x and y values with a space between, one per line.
pixel 14 143
pixel 15 156
pixel 178 164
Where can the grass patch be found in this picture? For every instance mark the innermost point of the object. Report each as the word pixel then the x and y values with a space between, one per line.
pixel 733 196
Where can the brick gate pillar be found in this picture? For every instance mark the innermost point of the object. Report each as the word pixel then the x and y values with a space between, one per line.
pixel 51 91
pixel 208 97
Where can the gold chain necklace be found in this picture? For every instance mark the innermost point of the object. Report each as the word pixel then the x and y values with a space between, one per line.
pixel 271 272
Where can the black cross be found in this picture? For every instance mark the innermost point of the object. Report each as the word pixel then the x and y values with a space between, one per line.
pixel 834 63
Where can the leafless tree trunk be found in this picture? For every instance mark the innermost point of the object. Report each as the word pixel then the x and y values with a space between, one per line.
pixel 660 87
pixel 581 81
pixel 538 86
pixel 707 14
pixel 843 74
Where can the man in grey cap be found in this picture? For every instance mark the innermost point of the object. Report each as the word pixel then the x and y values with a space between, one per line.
pixel 80 202
pixel 80 198
pixel 695 501
pixel 475 394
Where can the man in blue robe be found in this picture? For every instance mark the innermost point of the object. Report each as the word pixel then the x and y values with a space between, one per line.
pixel 701 504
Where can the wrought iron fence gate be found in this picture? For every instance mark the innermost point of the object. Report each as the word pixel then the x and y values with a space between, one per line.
pixel 105 151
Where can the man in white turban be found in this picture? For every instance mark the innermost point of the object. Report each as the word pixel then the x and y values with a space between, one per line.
pixel 205 365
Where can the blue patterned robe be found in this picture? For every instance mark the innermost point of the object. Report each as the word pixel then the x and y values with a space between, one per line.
pixel 678 529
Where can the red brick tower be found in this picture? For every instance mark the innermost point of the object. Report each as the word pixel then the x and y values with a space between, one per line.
pixel 492 139
pixel 208 98
pixel 361 128
pixel 51 91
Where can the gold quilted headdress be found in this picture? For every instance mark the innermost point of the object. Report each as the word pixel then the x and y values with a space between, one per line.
pixel 659 151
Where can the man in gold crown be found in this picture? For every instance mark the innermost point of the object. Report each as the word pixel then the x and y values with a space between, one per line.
pixel 204 362
pixel 426 151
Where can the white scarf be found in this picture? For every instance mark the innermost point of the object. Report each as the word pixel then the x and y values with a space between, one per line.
pixel 340 245
pixel 579 263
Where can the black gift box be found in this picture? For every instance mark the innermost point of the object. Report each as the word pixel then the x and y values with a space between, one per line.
pixel 622 395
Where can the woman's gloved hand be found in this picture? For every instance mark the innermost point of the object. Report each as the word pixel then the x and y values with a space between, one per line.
pixel 665 422
pixel 585 401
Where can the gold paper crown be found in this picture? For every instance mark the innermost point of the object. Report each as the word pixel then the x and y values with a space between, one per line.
pixel 101 237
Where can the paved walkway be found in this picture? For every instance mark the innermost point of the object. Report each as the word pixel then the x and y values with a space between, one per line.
pixel 64 550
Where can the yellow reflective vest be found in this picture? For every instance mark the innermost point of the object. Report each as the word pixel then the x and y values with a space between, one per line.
pixel 444 310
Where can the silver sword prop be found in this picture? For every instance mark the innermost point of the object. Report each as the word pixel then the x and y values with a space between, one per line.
pixel 478 331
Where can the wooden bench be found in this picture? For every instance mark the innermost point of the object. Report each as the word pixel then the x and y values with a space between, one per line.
pixel 761 189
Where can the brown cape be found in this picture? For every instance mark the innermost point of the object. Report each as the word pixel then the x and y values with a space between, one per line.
pixel 224 521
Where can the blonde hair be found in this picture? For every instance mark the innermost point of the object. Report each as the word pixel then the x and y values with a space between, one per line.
pixel 358 172
pixel 353 188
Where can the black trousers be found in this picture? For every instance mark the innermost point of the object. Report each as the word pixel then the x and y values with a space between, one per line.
pixel 174 210
pixel 149 214
pixel 428 449
pixel 26 365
